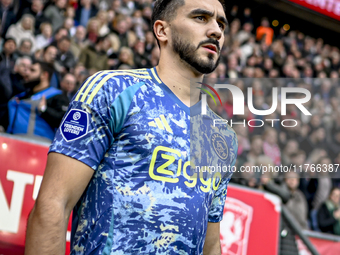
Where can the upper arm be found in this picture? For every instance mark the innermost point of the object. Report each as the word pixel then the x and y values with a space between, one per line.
pixel 212 244
pixel 64 181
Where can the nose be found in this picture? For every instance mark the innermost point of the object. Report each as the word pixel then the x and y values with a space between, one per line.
pixel 215 31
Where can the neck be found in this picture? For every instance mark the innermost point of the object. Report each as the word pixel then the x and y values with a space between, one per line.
pixel 180 78
pixel 42 85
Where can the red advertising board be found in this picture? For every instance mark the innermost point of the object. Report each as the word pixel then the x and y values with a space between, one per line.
pixel 329 8
pixel 251 222
pixel 22 166
pixel 325 247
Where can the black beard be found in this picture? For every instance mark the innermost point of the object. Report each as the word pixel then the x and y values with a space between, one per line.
pixel 31 84
pixel 186 52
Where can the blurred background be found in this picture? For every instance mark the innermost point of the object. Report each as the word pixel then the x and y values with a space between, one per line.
pixel 269 43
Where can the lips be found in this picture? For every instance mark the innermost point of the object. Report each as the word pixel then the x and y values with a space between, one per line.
pixel 211 47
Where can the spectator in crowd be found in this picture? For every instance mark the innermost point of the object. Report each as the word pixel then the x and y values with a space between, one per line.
pixel 297 203
pixel 55 14
pixel 20 74
pixel 36 11
pixel 334 145
pixel 126 57
pixel 221 71
pixel 121 30
pixel 45 38
pixel 78 42
pixel 92 29
pixel 139 25
pixel 329 213
pixel 140 57
pixel 7 59
pixel 95 57
pixel 81 74
pixel 247 16
pixel 233 68
pixel 147 13
pixel 7 16
pixel 244 34
pixel 64 59
pixel 24 49
pixel 324 182
pixel 53 109
pixel 279 188
pixel 24 114
pixel 326 91
pixel 85 11
pixel 291 147
pixel 102 17
pixel 68 85
pixel 11 83
pixel 71 12
pixel 256 149
pixel 49 56
pixel 270 146
pixel 23 29
pixel 249 178
pixel 116 6
pixel 243 142
pixel 61 32
pixel 317 139
pixel 69 25
pixel 315 122
pixel 127 7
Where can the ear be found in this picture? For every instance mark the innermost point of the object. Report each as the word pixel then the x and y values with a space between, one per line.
pixel 161 29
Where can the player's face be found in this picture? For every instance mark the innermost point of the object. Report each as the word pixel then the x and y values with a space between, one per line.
pixel 197 34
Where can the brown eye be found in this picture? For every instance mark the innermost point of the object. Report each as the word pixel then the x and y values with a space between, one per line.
pixel 202 18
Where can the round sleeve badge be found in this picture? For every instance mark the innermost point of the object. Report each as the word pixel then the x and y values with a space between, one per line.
pixel 75 125
pixel 220 146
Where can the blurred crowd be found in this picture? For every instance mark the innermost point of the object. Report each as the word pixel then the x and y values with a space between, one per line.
pixel 49 48
pixel 262 59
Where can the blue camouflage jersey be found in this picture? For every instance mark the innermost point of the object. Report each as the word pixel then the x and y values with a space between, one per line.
pixel 153 190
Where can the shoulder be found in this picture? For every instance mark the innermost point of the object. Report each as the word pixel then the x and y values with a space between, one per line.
pixel 300 195
pixel 323 208
pixel 51 9
pixel 108 85
pixel 11 28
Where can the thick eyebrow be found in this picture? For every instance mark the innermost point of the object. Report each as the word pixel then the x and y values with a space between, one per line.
pixel 210 14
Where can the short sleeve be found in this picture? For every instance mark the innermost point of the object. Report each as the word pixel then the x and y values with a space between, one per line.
pixel 86 131
pixel 217 205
